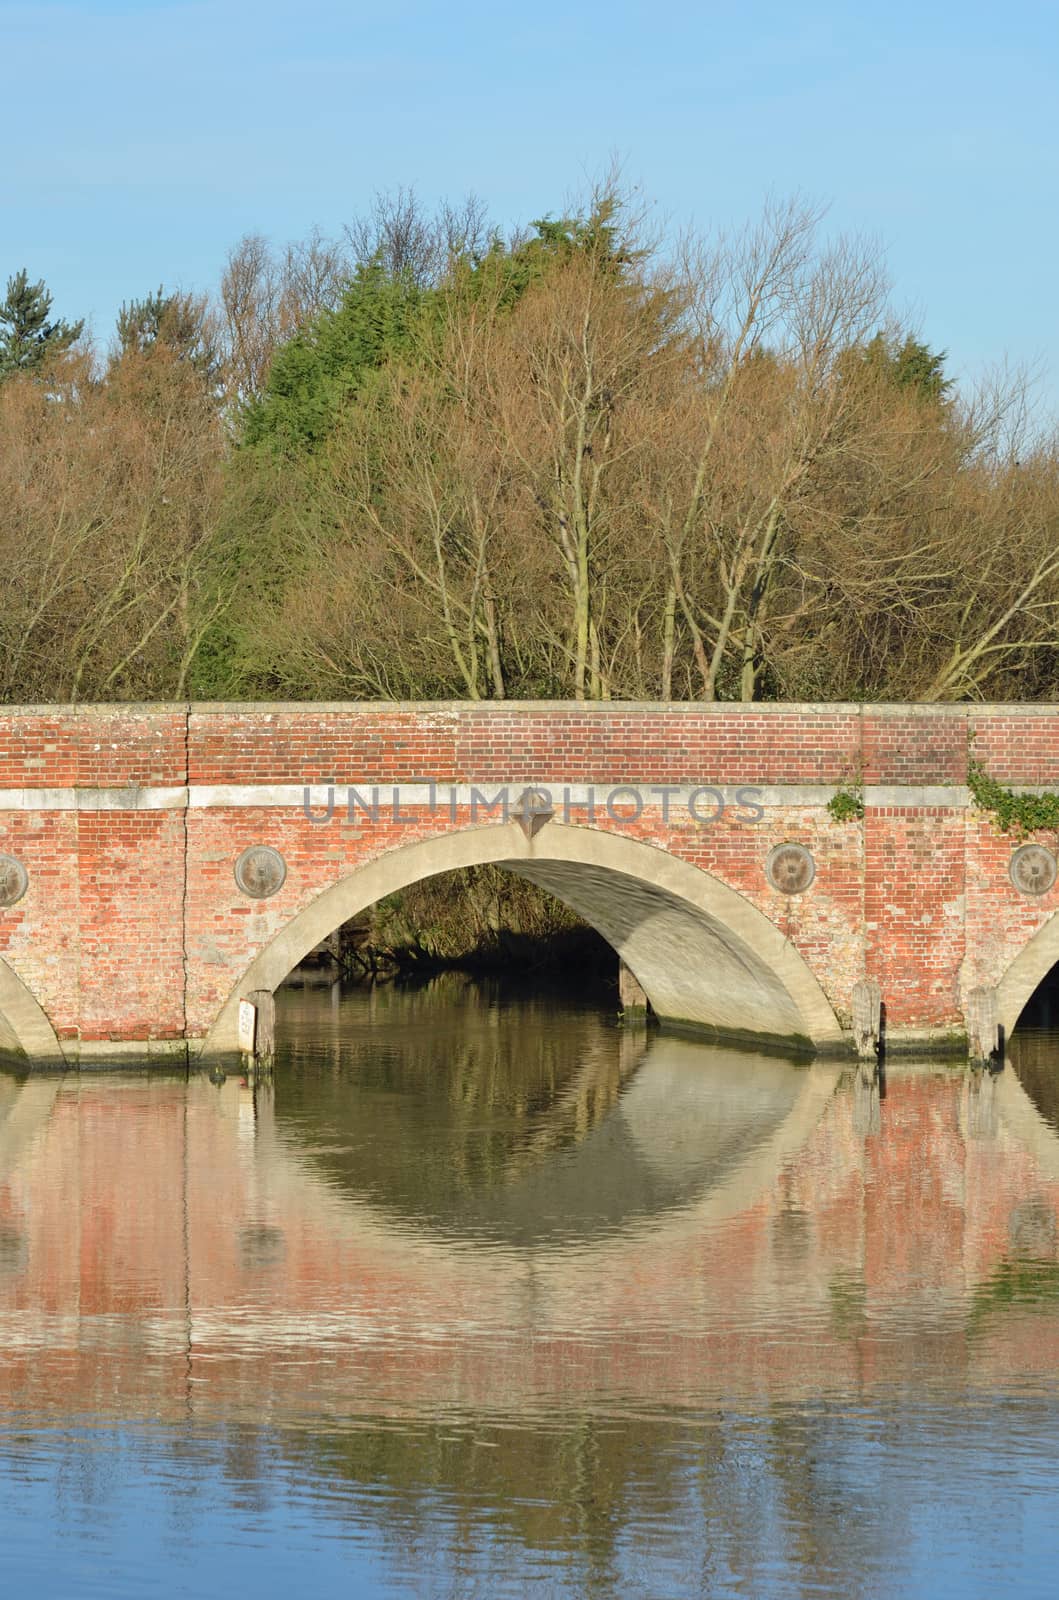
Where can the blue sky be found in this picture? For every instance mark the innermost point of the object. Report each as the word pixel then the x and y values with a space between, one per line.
pixel 141 139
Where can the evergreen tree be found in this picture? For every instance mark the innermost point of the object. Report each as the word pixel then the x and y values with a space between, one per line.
pixel 178 322
pixel 910 365
pixel 28 339
pixel 324 365
pixel 383 311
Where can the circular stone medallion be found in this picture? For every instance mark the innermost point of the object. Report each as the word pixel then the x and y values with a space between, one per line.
pixel 1032 869
pixel 14 880
pixel 790 868
pixel 260 871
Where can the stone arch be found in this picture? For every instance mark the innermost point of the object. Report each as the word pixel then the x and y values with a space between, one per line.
pixel 24 1027
pixel 1032 964
pixel 705 956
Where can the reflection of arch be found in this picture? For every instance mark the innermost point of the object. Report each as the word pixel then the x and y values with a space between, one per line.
pixel 24 1110
pixel 272 1254
pixel 1024 1121
pixel 739 1190
pixel 1032 964
pixel 304 1193
pixel 704 954
pixel 24 1028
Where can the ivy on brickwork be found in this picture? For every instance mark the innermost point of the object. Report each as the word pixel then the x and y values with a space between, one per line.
pixel 1019 813
pixel 847 802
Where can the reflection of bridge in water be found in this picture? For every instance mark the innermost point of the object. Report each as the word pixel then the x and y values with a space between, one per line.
pixel 768 1241
pixel 591 1130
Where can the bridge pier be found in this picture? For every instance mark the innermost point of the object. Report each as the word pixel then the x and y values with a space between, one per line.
pixel 632 997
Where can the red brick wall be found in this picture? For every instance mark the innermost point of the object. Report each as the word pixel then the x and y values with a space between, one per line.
pixel 115 935
pixel 92 746
pixel 613 744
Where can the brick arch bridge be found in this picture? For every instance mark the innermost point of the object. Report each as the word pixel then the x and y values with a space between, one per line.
pixel 132 934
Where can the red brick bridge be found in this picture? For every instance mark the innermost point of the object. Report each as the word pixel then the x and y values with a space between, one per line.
pixel 157 863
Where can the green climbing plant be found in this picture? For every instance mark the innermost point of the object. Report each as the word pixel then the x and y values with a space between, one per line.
pixel 1018 813
pixel 847 802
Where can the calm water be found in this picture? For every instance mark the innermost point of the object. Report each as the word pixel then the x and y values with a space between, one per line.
pixel 485 1294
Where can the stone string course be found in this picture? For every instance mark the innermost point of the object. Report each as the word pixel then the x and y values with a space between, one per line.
pixel 133 928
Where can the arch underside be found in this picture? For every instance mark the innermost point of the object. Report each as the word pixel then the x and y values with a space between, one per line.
pixel 706 958
pixel 692 967
pixel 24 1027
pixel 1030 967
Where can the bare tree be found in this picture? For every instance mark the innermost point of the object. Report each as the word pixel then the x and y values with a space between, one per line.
pixel 266 297
pixel 108 506
pixel 407 241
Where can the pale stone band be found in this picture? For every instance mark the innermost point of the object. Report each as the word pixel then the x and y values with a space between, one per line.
pixel 652 797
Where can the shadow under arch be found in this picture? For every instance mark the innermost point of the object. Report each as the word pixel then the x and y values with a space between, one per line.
pixel 1028 970
pixel 24 1026
pixel 704 955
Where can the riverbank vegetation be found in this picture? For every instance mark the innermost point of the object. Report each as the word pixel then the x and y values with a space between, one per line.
pixel 478 919
pixel 428 461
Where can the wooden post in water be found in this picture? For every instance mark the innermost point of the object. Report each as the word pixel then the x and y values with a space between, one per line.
pixel 264 1004
pixel 867 1018
pixel 983 1027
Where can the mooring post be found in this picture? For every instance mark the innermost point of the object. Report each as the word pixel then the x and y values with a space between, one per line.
pixel 983 1027
pixel 867 1018
pixel 257 1025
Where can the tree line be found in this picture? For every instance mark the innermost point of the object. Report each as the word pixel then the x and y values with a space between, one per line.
pixel 431 461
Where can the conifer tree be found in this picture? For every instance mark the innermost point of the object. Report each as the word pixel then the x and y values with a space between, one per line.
pixel 176 321
pixel 910 365
pixel 28 338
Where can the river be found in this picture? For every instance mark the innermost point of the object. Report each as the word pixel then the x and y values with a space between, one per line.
pixel 483 1293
